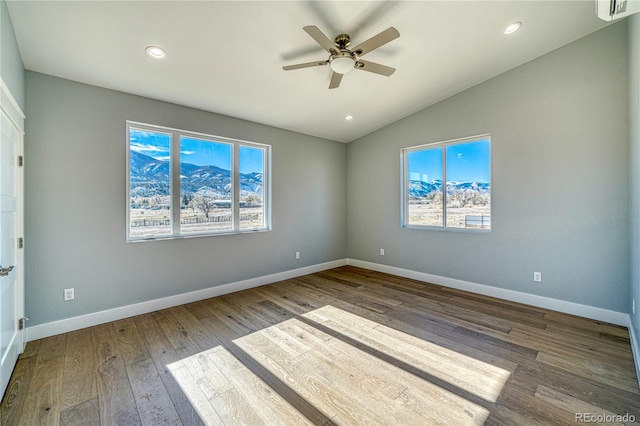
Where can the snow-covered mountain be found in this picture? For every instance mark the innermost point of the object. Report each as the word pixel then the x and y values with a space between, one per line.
pixel 150 177
pixel 420 189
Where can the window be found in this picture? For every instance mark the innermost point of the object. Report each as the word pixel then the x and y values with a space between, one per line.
pixel 187 184
pixel 448 184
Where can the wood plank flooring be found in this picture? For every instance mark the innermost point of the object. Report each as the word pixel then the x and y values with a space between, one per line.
pixel 343 346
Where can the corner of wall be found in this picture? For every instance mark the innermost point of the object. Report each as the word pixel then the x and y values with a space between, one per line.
pixel 11 66
pixel 633 29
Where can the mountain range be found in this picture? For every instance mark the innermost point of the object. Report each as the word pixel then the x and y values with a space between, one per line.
pixel 420 189
pixel 150 177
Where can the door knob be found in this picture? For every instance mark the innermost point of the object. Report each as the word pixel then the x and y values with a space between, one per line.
pixel 5 271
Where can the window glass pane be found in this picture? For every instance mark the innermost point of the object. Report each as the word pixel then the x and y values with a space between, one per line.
pixel 150 183
pixel 469 185
pixel 424 187
pixel 186 184
pixel 252 204
pixel 206 186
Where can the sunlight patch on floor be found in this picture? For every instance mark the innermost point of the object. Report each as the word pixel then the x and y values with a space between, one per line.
pixel 222 390
pixel 466 373
pixel 343 368
pixel 351 385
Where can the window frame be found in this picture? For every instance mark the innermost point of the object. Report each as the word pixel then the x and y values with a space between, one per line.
pixel 174 182
pixel 404 184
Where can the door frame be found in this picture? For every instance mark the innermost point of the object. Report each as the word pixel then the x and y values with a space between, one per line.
pixel 14 113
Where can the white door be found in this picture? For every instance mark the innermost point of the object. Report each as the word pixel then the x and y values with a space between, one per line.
pixel 11 294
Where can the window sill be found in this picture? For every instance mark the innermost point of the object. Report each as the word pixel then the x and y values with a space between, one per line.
pixel 444 229
pixel 186 236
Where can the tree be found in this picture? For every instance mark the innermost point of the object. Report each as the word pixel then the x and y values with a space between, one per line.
pixel 205 204
pixel 186 199
pixel 435 197
pixel 253 200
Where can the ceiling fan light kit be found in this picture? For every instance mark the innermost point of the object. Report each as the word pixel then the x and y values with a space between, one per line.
pixel 342 64
pixel 342 59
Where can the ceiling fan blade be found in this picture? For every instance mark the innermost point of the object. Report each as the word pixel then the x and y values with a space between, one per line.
pixel 322 13
pixel 374 14
pixel 374 68
pixel 320 38
pixel 335 80
pixel 301 52
pixel 305 65
pixel 376 41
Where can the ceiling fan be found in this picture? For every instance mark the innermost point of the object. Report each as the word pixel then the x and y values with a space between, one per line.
pixel 342 59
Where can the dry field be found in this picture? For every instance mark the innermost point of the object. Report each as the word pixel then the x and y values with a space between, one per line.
pixel 427 215
pixel 157 222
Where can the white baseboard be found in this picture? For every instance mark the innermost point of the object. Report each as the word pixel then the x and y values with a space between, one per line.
pixel 76 323
pixel 70 324
pixel 635 349
pixel 613 317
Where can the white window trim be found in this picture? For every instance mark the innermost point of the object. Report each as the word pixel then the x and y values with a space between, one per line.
pixel 174 178
pixel 404 183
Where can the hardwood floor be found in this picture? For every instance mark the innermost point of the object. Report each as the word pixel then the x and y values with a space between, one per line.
pixel 344 346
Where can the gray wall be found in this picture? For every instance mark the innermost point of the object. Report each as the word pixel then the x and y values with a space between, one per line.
pixel 11 68
pixel 560 179
pixel 75 204
pixel 560 189
pixel 634 175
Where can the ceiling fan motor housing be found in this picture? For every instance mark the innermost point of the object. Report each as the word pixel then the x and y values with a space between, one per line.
pixel 342 41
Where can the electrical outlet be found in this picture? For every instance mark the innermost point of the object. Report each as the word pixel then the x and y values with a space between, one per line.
pixel 537 277
pixel 68 294
pixel 297 255
pixel 381 252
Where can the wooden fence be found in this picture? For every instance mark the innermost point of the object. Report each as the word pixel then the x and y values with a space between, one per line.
pixel 477 221
pixel 152 223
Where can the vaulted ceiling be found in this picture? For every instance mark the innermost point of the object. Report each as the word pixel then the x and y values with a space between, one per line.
pixel 227 56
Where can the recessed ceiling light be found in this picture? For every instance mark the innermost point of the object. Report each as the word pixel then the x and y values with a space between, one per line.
pixel 348 117
pixel 156 52
pixel 512 28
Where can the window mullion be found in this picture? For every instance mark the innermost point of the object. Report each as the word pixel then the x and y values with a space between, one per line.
pixel 266 188
pixel 175 183
pixel 235 199
pixel 444 186
pixel 404 158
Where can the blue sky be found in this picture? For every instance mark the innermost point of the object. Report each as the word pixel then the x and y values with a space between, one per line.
pixel 425 165
pixel 251 159
pixel 153 144
pixel 195 151
pixel 203 153
pixel 465 162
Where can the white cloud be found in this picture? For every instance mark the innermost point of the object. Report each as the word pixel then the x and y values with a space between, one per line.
pixel 142 148
pixel 187 152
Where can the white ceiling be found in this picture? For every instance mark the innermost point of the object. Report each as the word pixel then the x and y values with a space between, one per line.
pixel 227 56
